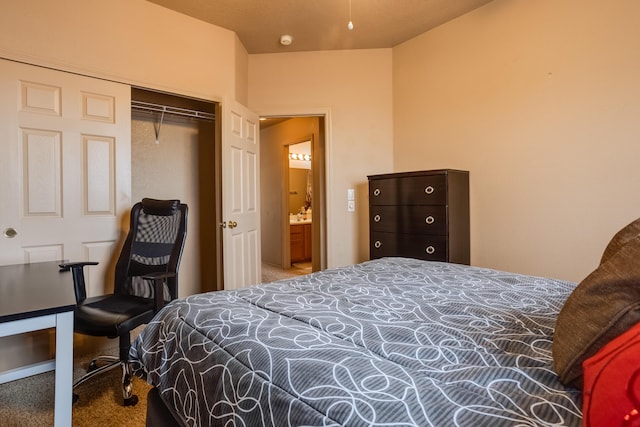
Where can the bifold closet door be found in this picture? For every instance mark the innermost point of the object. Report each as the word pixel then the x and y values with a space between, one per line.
pixel 65 167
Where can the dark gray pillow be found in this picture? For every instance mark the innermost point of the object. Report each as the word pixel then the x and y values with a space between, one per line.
pixel 604 305
pixel 620 239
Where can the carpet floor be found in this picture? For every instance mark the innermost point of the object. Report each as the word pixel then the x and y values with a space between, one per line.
pixel 29 401
pixel 271 273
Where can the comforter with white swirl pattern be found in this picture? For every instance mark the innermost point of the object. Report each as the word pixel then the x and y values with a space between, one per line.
pixel 389 342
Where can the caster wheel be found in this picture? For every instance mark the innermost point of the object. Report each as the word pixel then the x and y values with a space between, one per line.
pixel 131 401
pixel 92 366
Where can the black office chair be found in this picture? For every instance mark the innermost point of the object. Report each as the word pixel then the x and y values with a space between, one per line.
pixel 146 277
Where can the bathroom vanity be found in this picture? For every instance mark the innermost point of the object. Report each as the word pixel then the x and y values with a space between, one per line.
pixel 300 235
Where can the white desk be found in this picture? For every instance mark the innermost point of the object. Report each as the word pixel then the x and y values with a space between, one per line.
pixel 39 296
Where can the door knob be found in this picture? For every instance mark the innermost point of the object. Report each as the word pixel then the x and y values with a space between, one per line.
pixel 233 224
pixel 10 233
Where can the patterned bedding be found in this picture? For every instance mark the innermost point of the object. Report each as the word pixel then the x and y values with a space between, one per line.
pixel 389 342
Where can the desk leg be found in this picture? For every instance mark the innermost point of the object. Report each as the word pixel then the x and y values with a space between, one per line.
pixel 64 369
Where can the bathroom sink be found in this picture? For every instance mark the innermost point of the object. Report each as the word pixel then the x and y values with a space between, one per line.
pixel 294 221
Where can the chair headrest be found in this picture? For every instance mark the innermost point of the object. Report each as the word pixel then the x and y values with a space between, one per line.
pixel 160 207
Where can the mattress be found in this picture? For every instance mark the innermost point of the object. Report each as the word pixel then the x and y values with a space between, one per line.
pixel 388 342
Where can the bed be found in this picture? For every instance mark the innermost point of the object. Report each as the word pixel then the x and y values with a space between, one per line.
pixel 388 342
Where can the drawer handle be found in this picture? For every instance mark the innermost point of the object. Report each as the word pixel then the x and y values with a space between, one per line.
pixel 429 189
pixel 430 250
pixel 377 244
pixel 429 220
pixel 377 218
pixel 376 192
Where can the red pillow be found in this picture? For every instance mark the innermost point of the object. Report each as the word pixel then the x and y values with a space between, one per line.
pixel 611 393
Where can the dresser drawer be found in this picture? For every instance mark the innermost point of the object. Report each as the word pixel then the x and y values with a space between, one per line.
pixel 429 248
pixel 409 219
pixel 415 190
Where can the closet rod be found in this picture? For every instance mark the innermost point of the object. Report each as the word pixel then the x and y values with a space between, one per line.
pixel 147 106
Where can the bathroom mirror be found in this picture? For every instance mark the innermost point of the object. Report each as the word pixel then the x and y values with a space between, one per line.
pixel 300 178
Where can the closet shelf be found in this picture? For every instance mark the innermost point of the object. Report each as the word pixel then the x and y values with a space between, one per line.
pixel 167 109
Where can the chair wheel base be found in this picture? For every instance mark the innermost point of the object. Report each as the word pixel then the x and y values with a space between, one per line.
pixel 132 401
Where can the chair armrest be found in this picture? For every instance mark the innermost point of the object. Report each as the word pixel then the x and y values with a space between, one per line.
pixel 77 272
pixel 66 266
pixel 158 290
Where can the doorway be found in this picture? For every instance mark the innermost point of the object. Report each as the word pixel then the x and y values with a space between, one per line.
pixel 299 207
pixel 277 135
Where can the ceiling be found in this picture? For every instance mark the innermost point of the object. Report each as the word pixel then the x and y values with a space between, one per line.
pixel 322 25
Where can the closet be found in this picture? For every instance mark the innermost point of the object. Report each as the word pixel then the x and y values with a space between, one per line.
pixel 173 153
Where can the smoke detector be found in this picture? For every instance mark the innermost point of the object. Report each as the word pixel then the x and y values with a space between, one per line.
pixel 286 40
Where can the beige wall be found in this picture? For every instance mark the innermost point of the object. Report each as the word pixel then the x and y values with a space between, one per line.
pixel 540 101
pixel 241 73
pixel 355 87
pixel 130 41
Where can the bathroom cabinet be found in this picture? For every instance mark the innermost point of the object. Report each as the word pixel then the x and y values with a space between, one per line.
pixel 300 242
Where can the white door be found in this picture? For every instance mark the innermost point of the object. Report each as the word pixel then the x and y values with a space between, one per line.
pixel 240 196
pixel 65 166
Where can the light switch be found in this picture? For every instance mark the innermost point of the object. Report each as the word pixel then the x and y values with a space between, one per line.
pixel 351 206
pixel 351 194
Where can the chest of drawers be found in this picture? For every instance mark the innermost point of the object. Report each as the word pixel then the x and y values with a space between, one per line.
pixel 422 215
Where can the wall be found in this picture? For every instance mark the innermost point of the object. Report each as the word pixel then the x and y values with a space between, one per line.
pixel 241 75
pixel 129 41
pixel 356 88
pixel 540 102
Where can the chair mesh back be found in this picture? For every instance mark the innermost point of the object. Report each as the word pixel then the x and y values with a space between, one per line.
pixel 152 247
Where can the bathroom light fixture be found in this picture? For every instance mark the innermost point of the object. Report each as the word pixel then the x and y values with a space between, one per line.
pixel 296 156
pixel 350 24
